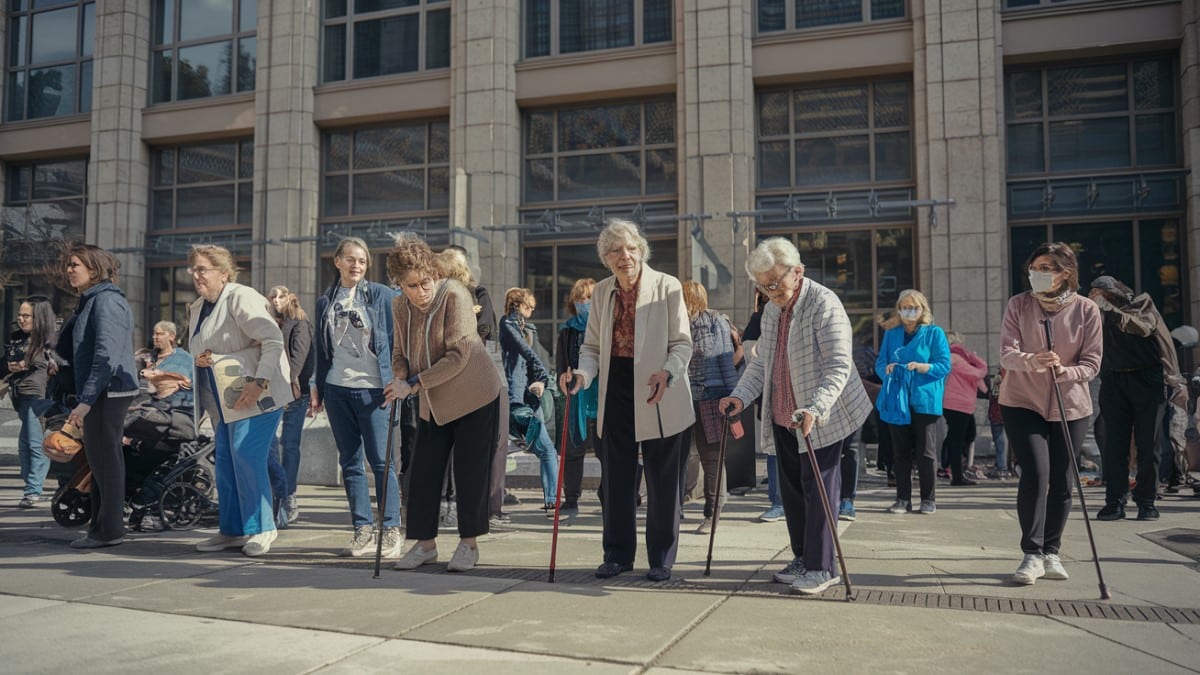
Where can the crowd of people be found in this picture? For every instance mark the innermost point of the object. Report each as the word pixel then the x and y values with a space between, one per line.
pixel 650 371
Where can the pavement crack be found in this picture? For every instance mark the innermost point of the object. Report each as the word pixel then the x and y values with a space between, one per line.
pixel 1135 648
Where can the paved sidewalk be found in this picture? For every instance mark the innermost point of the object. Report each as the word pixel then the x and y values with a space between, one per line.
pixel 933 596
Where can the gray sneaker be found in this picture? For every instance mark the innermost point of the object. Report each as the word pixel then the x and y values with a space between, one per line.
pixel 901 506
pixel 793 571
pixel 814 582
pixel 1031 569
pixel 293 509
pixel 928 507
pixel 391 542
pixel 361 544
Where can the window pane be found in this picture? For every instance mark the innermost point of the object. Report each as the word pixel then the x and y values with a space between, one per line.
pixel 204 70
pixel 1153 84
pixel 52 91
pixel 160 76
pixel 334 8
pixel 610 126
pixel 825 12
pixel 387 46
pixel 773 114
pixel 207 163
pixel 891 104
pixel 1156 139
pixel 661 172
pixel 246 159
pixel 1160 267
pixel 334 48
pixel 53 180
pixel 336 195
pixel 389 191
pixel 49 31
pixel 439 142
pixel 1023 95
pixel 772 15
pixel 439 188
pixel 841 261
pixel 362 6
pixel 843 159
pixel 537 28
pixel 202 19
pixel 616 174
pixel 893 156
pixel 1102 248
pixel 20 182
pixel 247 59
pixel 248 19
pixel 16 41
pixel 389 146
pixel 887 9
pixel 15 101
pixel 210 206
pixel 164 167
pixel 539 135
pixel 660 122
pixel 584 25
pixel 337 151
pixel 161 215
pixel 164 22
pixel 773 160
pixel 1089 144
pixel 437 39
pixel 894 258
pixel 656 21
pixel 88 40
pixel 245 206
pixel 85 86
pixel 539 180
pixel 831 109
pixel 1087 89
pixel 1025 151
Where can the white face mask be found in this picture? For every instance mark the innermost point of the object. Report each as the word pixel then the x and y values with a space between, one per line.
pixel 910 314
pixel 1041 282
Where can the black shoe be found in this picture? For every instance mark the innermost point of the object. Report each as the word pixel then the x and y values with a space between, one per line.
pixel 612 569
pixel 1147 512
pixel 1111 512
pixel 658 574
pixel 963 481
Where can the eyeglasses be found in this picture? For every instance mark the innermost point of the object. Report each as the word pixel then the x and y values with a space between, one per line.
pixel 424 284
pixel 1046 269
pixel 200 271
pixel 773 286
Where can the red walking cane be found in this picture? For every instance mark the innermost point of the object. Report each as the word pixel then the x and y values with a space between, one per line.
pixel 712 534
pixel 829 519
pixel 562 463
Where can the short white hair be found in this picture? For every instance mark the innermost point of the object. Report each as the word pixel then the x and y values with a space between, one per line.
pixel 619 230
pixel 771 253
pixel 167 327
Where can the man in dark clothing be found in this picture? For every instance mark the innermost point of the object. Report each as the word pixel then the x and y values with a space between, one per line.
pixel 1138 374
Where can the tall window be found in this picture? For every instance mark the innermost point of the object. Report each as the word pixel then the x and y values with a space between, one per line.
pixel 568 26
pixel 366 38
pixel 779 15
pixel 50 48
pixel 202 48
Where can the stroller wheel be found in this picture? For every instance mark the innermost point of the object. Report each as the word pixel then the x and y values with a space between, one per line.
pixel 71 508
pixel 182 506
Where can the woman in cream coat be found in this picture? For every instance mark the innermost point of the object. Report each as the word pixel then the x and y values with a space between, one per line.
pixel 638 343
pixel 242 382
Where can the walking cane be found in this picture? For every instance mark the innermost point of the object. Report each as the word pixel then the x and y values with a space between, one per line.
pixel 1062 417
pixel 562 464
pixel 829 519
pixel 712 534
pixel 387 469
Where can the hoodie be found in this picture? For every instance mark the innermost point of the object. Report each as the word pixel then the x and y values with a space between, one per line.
pixel 1136 338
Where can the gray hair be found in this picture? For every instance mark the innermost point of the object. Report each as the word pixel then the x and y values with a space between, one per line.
pixel 167 327
pixel 769 254
pixel 619 231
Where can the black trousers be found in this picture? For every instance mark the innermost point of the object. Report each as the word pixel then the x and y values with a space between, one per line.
pixel 959 428
pixel 573 466
pixel 102 430
pixel 662 459
pixel 808 530
pixel 1044 491
pixel 473 440
pixel 1133 405
pixel 918 436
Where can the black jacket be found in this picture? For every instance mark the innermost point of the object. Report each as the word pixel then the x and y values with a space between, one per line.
pixel 297 339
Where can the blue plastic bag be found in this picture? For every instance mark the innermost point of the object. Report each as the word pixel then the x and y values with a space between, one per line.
pixel 893 398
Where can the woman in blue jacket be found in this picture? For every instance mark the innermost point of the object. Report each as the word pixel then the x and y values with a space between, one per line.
pixel 913 363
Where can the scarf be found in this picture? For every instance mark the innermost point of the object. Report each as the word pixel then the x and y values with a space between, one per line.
pixel 1053 303
pixel 585 404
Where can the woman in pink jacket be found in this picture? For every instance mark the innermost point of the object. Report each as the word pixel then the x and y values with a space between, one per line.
pixel 1027 399
pixel 958 404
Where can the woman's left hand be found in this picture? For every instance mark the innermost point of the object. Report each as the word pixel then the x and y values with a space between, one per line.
pixel 204 359
pixel 658 386
pixel 249 397
pixel 77 415
pixel 806 422
pixel 921 368
pixel 537 388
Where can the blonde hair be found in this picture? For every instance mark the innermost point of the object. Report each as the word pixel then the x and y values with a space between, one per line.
pixel 291 310
pixel 515 297
pixel 582 288
pixel 218 255
pixel 921 301
pixel 347 242
pixel 167 327
pixel 452 264
pixel 955 338
pixel 695 297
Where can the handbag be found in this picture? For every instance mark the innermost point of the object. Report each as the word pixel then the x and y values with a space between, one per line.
pixel 893 398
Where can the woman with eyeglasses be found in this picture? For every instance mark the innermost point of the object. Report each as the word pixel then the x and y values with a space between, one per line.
pixel 913 362
pixel 243 383
pixel 1028 401
pixel 353 355
pixel 527 379
pixel 26 368
pixel 438 355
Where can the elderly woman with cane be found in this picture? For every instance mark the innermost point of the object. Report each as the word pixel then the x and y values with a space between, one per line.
pixel 1037 372
pixel 638 343
pixel 809 386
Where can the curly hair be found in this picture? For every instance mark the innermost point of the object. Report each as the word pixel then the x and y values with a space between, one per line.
pixel 412 254
pixel 515 297
pixel 220 257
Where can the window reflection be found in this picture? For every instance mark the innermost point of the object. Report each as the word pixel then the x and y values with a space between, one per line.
pixel 49 64
pixel 387 36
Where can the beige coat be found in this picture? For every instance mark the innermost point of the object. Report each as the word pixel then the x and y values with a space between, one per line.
pixel 242 327
pixel 662 341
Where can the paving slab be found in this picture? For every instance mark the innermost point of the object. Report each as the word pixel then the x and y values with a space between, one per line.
pixel 12 605
pixel 1180 648
pixel 408 656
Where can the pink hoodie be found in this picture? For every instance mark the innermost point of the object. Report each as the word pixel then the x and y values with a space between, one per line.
pixel 966 372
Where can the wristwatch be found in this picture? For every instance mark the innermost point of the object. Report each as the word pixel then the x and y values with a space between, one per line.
pixel 260 381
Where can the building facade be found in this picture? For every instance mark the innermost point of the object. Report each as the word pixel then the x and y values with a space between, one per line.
pixel 514 127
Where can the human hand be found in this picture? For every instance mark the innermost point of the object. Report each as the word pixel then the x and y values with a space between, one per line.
pixel 537 388
pixel 397 389
pixel 570 381
pixel 1046 359
pixel 204 359
pixel 889 368
pixel 919 367
pixel 804 421
pixel 658 386
pixel 731 406
pixel 249 397
pixel 16 366
pixel 314 404
pixel 295 390
pixel 76 416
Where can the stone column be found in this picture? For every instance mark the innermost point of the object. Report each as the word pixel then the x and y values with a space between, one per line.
pixel 119 166
pixel 485 135
pixel 286 169
pixel 957 84
pixel 1189 70
pixel 716 145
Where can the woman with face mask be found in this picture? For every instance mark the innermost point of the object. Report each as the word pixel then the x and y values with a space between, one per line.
pixel 913 363
pixel 1028 402
pixel 581 434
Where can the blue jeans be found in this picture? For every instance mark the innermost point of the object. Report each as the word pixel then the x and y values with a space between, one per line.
pixel 773 481
pixel 1001 446
pixel 359 427
pixel 34 463
pixel 290 429
pixel 543 449
pixel 243 485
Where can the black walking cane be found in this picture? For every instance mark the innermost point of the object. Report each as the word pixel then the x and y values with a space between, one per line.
pixel 712 534
pixel 829 519
pixel 387 470
pixel 1062 417
pixel 562 465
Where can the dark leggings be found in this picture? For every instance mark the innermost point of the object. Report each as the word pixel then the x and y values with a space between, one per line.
pixel 102 429
pixel 1044 491
pixel 916 439
pixel 959 426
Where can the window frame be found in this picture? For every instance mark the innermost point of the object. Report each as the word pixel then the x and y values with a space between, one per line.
pixel 791 18
pixel 237 181
pixel 84 57
pixel 172 45
pixel 638 39
pixel 350 18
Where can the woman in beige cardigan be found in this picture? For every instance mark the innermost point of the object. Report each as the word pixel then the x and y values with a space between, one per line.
pixel 438 355
pixel 242 382
pixel 638 343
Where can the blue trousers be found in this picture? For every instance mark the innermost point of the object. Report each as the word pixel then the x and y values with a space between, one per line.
pixel 34 463
pixel 285 449
pixel 359 427
pixel 243 484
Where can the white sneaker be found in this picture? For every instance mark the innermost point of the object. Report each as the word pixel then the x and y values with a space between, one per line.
pixel 416 557
pixel 391 542
pixel 221 542
pixel 1031 569
pixel 464 558
pixel 362 543
pixel 1054 567
pixel 704 527
pixel 259 544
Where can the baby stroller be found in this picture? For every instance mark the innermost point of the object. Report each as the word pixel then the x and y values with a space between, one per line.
pixel 170 473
